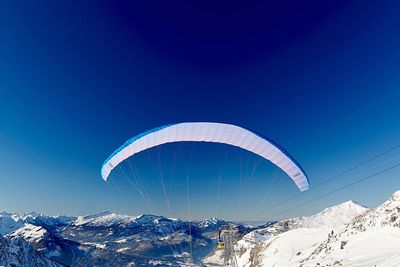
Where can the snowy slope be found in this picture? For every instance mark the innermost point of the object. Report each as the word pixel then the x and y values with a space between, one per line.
pixel 10 222
pixel 105 218
pixel 17 252
pixel 215 259
pixel 344 235
pixel 369 248
pixel 286 249
pixel 288 242
pixel 372 238
pixel 333 218
pixel 30 232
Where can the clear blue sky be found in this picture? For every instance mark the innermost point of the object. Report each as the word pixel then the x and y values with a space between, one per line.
pixel 77 79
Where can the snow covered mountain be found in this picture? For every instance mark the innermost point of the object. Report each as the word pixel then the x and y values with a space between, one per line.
pixel 372 239
pixel 17 252
pixel 344 235
pixel 292 234
pixel 107 237
pixel 332 218
pixel 347 234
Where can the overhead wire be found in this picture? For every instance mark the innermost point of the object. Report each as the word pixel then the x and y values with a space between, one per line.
pixel 336 190
pixel 335 177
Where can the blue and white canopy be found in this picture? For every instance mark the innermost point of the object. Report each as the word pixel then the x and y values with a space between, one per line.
pixel 209 132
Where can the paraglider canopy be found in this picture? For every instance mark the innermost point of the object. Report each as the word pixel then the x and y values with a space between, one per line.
pixel 209 132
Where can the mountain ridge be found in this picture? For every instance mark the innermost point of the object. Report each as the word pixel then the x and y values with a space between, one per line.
pixel 365 236
pixel 146 240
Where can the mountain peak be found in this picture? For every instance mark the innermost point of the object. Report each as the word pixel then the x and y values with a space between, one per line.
pixel 347 205
pixel 97 215
pixel 334 217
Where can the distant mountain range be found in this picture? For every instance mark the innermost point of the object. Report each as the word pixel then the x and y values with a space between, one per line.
pixel 122 240
pixel 348 234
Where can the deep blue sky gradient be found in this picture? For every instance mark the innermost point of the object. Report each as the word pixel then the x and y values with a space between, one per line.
pixel 77 79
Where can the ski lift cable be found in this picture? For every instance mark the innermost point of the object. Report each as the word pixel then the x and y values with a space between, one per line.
pixel 336 190
pixel 369 170
pixel 337 176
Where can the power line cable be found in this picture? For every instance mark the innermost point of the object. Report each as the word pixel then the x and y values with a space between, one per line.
pixel 335 177
pixel 336 190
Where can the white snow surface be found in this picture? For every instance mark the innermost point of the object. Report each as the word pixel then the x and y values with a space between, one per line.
pixel 209 222
pixel 297 243
pixel 372 238
pixel 347 234
pixel 216 259
pixel 344 235
pixel 107 219
pixel 375 247
pixel 332 217
pixel 104 218
pixel 285 237
pixel 10 222
pixel 30 232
